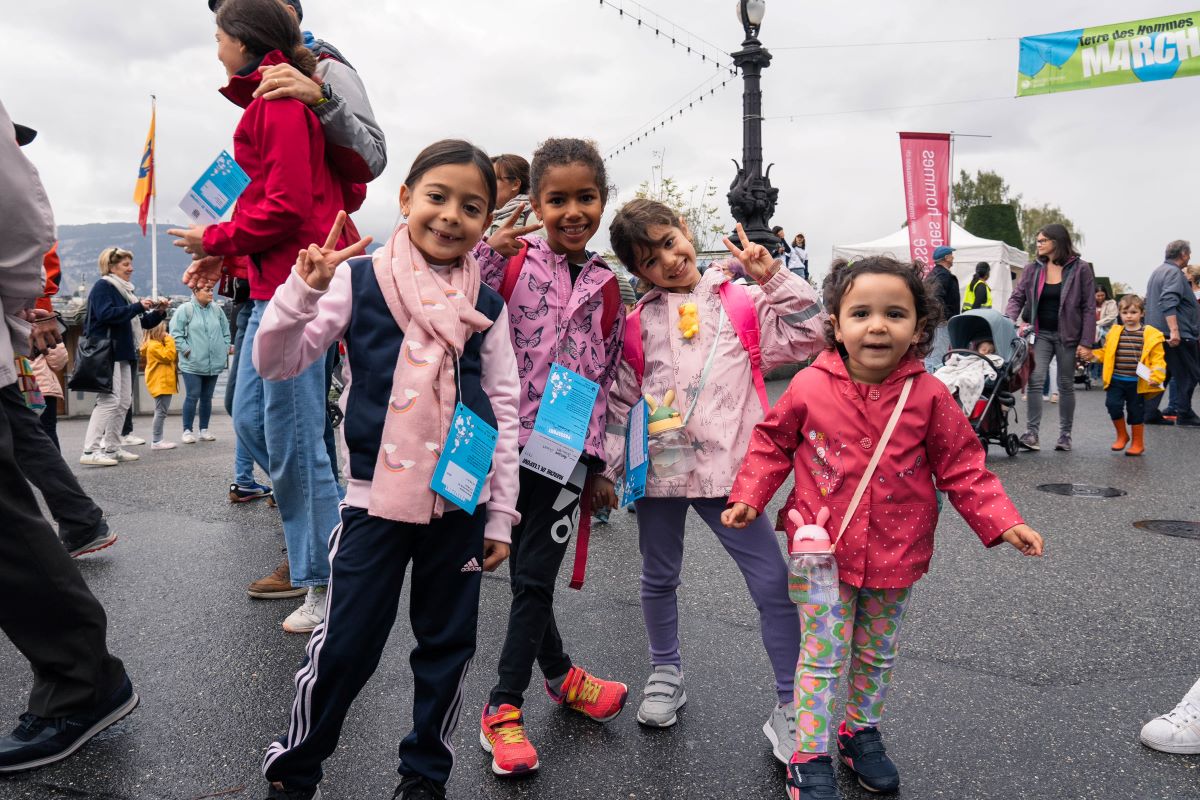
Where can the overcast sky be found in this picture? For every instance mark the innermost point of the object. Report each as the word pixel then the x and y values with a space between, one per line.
pixel 508 74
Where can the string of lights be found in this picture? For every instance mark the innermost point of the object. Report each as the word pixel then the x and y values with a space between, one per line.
pixel 794 117
pixel 672 112
pixel 894 44
pixel 665 29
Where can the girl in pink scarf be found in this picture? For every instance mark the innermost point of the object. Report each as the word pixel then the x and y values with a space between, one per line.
pixel 422 335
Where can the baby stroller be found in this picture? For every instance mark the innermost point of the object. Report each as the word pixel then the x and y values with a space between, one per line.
pixel 989 418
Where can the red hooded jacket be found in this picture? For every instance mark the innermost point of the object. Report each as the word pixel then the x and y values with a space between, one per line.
pixel 293 196
pixel 825 428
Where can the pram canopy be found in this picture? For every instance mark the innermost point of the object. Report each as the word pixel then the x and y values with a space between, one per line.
pixel 983 323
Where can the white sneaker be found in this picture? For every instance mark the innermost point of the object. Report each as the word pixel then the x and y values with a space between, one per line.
pixel 662 698
pixel 780 728
pixel 188 437
pixel 97 459
pixel 205 436
pixel 309 615
pixel 132 441
pixel 1177 731
pixel 162 445
pixel 125 455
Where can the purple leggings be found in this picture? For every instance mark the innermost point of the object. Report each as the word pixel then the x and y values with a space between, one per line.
pixel 756 552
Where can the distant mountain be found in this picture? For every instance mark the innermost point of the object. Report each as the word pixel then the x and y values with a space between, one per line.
pixel 79 248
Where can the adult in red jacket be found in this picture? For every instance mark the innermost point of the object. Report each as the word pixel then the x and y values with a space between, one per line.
pixel 292 201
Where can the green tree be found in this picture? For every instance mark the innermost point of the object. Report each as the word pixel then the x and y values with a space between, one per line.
pixel 986 188
pixel 994 221
pixel 1034 218
pixel 697 205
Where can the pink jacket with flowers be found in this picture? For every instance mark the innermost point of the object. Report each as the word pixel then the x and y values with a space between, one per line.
pixel 826 427
pixel 553 322
pixel 790 324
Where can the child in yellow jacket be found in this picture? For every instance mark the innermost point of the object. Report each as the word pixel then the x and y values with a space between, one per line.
pixel 1128 347
pixel 158 351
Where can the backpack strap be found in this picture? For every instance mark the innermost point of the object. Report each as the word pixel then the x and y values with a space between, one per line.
pixel 631 346
pixel 740 310
pixel 512 271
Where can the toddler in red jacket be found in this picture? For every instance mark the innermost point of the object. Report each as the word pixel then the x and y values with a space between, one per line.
pixel 868 433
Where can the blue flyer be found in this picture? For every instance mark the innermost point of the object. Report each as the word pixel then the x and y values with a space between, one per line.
pixel 466 459
pixel 561 426
pixel 211 197
pixel 637 455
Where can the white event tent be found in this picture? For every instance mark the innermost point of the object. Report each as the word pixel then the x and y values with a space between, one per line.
pixel 968 251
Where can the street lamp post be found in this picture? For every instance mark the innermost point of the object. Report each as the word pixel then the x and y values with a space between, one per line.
pixel 751 196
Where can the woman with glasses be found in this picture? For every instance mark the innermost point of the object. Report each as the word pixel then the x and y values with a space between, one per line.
pixel 512 192
pixel 1059 290
pixel 114 312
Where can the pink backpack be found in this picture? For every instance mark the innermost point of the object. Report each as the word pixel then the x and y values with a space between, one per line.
pixel 740 310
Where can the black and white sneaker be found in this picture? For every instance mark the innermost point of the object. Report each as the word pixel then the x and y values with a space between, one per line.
pixel 864 754
pixel 418 787
pixel 255 491
pixel 39 741
pixel 812 780
pixel 98 539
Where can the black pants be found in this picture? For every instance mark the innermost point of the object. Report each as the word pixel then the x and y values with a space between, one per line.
pixel 43 466
pixel 49 420
pixel 46 609
pixel 1122 397
pixel 549 516
pixel 127 426
pixel 368 556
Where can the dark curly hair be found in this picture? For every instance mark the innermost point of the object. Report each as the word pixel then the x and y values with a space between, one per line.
pixel 842 275
pixel 561 153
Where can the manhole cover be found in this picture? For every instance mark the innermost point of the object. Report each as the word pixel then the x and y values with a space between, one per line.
pixel 1171 527
pixel 1081 490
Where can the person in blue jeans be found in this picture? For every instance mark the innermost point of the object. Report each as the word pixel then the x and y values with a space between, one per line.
pixel 201 332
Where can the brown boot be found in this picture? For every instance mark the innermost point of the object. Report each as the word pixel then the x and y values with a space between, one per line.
pixel 1139 440
pixel 277 585
pixel 1122 434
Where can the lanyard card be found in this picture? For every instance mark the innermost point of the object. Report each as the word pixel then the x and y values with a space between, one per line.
pixel 466 459
pixel 637 455
pixel 211 197
pixel 557 440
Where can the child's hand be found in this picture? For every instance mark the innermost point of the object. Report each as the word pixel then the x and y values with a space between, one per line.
pixel 738 515
pixel 1025 539
pixel 755 259
pixel 504 240
pixel 494 554
pixel 316 265
pixel 603 493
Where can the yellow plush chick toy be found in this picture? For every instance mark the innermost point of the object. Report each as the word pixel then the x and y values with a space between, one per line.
pixel 689 320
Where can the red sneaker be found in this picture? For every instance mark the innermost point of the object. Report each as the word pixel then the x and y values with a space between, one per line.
pixel 594 698
pixel 503 735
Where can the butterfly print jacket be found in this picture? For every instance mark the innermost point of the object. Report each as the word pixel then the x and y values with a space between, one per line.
pixel 553 321
pixel 825 427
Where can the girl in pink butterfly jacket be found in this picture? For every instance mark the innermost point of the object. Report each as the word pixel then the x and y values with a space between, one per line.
pixel 690 346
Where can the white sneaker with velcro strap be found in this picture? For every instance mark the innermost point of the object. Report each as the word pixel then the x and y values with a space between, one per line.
pixel 662 698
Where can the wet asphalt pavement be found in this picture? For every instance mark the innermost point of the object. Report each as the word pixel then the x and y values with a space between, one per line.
pixel 1018 678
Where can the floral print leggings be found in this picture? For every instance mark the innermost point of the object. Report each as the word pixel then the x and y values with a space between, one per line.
pixel 863 627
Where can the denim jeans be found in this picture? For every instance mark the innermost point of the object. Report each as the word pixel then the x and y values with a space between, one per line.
pixel 1048 346
pixel 162 404
pixel 1122 397
pixel 200 390
pixel 243 464
pixel 281 425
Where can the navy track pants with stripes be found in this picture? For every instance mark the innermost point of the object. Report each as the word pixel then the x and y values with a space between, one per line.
pixel 368 556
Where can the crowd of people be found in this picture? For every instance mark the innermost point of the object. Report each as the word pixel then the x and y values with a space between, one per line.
pixel 476 315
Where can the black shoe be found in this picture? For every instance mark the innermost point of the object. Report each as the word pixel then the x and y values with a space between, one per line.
pixel 864 753
pixel 1158 419
pixel 1189 421
pixel 812 780
pixel 39 741
pixel 244 494
pixel 98 539
pixel 418 787
pixel 313 793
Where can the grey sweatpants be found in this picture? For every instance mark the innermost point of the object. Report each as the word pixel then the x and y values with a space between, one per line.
pixel 162 404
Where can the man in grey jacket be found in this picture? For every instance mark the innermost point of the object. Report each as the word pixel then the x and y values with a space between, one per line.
pixel 46 609
pixel 1171 307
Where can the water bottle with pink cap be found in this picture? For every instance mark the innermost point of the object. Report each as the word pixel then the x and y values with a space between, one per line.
pixel 813 568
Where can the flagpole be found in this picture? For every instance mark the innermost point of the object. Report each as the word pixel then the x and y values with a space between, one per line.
pixel 153 208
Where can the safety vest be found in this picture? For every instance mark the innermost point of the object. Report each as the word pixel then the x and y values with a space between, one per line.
pixel 969 295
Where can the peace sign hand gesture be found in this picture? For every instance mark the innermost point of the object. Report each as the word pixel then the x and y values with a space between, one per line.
pixel 755 259
pixel 504 240
pixel 316 265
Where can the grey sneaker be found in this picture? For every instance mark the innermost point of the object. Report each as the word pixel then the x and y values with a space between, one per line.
pixel 780 728
pixel 1029 440
pixel 662 698
pixel 1064 443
